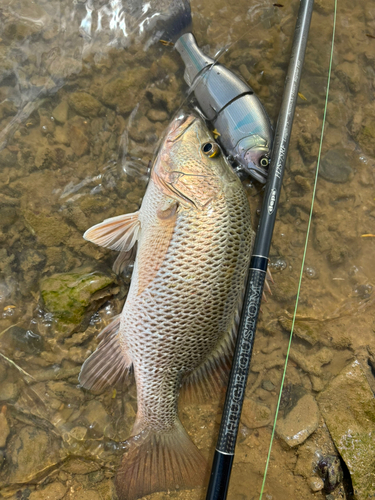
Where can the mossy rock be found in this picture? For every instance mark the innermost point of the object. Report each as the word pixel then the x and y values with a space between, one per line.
pixel 71 296
pixel 84 104
pixel 348 408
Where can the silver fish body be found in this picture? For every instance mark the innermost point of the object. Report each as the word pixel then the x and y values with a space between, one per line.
pixel 178 324
pixel 232 108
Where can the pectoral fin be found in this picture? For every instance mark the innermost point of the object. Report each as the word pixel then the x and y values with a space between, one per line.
pixel 118 233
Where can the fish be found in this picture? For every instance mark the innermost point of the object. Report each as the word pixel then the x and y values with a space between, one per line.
pixel 193 238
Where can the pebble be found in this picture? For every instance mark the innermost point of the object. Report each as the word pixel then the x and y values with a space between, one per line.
pixel 315 483
pixel 300 422
pixel 334 167
pixel 268 385
pixel 157 115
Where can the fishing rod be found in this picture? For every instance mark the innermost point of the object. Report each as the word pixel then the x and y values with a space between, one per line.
pixel 224 453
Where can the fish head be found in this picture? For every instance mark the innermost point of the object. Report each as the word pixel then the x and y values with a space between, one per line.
pixel 190 166
pixel 253 153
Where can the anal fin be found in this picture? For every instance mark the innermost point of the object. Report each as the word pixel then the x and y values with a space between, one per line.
pixel 109 364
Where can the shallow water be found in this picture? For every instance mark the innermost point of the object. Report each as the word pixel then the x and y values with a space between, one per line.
pixel 82 110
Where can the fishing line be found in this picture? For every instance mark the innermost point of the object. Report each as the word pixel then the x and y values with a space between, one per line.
pixel 304 251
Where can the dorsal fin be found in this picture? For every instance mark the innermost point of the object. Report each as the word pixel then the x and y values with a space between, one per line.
pixel 109 364
pixel 118 233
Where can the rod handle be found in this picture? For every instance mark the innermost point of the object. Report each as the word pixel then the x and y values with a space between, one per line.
pixel 220 475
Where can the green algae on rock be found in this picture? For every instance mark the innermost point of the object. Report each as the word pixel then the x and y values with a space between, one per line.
pixel 71 296
pixel 348 408
pixel 84 104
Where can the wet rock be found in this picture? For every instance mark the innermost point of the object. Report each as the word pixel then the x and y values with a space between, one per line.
pixel 51 230
pixel 62 67
pixel 22 340
pixel 366 134
pixel 77 135
pixel 124 91
pixel 7 108
pixel 70 297
pixel 268 385
pixel 54 491
pixel 80 466
pixel 65 392
pixel 31 453
pixel 9 215
pixel 304 329
pixel 84 104
pixel 254 414
pixel 334 167
pixel 4 428
pixel 98 419
pixel 60 113
pixel 348 408
pixel 8 391
pixel 300 422
pixel 350 73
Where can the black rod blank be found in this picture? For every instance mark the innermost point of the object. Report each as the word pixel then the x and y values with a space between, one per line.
pixel 224 454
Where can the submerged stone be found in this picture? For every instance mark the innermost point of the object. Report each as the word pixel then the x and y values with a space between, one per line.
pixel 348 408
pixel 254 414
pixel 84 104
pixel 70 296
pixel 300 422
pixel 335 167
pixel 123 92
pixel 31 453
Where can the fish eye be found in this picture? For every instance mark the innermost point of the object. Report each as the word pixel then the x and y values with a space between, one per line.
pixel 211 149
pixel 264 161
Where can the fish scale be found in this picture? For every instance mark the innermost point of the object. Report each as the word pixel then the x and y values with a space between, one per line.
pixel 178 324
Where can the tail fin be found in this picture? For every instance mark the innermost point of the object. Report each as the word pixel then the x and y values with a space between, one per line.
pixel 159 462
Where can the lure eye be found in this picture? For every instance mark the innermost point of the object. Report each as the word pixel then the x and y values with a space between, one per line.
pixel 211 149
pixel 264 161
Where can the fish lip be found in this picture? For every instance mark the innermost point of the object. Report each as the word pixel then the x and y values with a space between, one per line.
pixel 179 126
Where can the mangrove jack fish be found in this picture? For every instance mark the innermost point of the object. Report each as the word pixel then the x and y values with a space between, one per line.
pixel 194 238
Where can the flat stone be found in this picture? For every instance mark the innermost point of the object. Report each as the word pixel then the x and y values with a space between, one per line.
pixel 335 167
pixel 54 491
pixel 32 452
pixel 300 422
pixel 60 113
pixel 80 466
pixel 254 414
pixel 348 408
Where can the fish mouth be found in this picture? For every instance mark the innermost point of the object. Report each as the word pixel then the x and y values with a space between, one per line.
pixel 179 126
